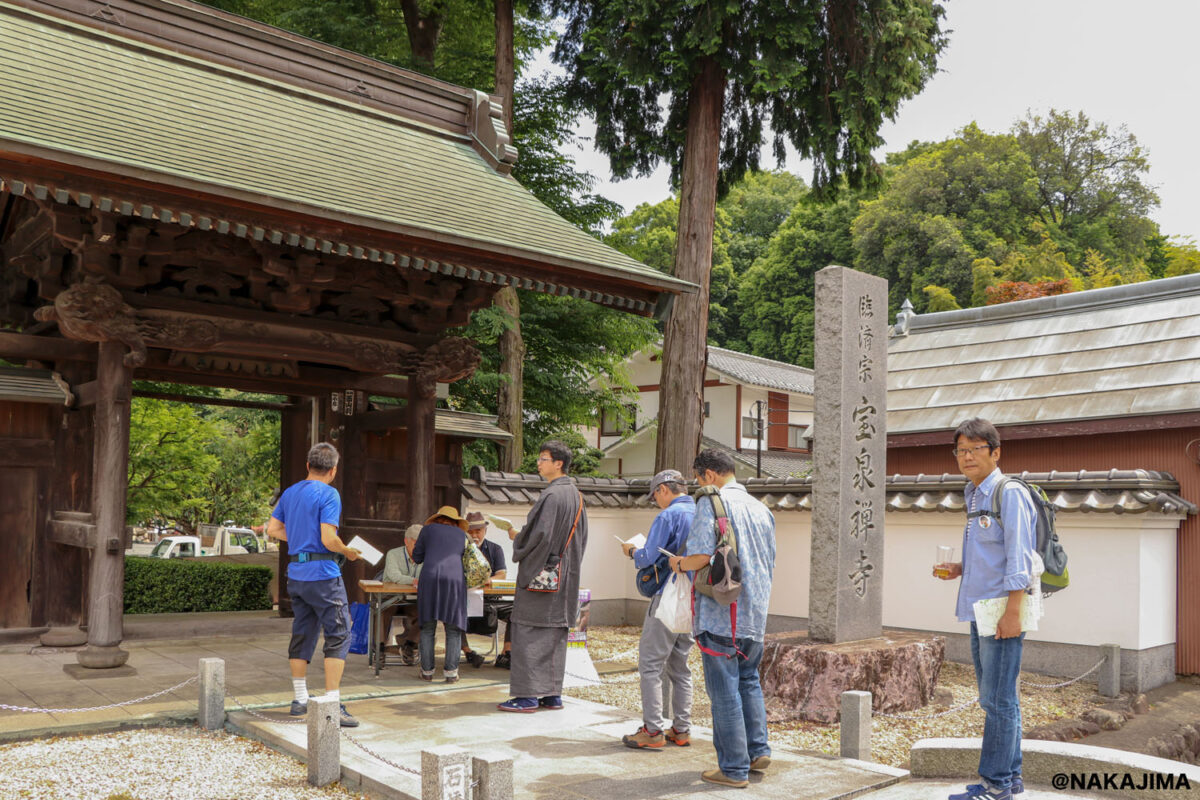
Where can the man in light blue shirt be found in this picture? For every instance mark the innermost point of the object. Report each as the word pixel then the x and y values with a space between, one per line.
pixel 662 653
pixel 731 658
pixel 998 562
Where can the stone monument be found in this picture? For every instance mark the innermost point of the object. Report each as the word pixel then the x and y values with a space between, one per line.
pixel 845 601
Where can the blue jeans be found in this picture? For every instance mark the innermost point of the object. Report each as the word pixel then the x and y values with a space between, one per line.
pixel 997 668
pixel 453 646
pixel 738 714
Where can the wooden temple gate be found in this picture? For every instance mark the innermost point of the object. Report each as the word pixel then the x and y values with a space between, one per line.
pixel 240 207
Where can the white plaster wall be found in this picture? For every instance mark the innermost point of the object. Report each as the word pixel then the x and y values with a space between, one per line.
pixel 723 414
pixel 1122 588
pixel 749 395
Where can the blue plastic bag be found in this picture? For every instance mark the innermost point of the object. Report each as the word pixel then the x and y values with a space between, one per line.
pixel 359 623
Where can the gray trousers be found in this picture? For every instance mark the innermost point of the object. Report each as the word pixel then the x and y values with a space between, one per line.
pixel 666 679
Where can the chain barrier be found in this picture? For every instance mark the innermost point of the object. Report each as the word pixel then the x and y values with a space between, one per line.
pixel 378 757
pixel 1099 664
pixel 28 709
pixel 242 706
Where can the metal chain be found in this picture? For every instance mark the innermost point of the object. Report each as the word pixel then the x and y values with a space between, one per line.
pixel 372 753
pixel 953 710
pixel 625 656
pixel 1099 664
pixel 98 708
pixel 264 717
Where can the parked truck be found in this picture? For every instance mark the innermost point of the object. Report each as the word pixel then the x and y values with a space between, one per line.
pixel 214 540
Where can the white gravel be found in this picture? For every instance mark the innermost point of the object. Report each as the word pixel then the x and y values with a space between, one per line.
pixel 155 764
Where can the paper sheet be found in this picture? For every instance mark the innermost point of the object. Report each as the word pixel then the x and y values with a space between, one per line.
pixel 638 540
pixel 474 602
pixel 368 553
pixel 988 614
pixel 500 522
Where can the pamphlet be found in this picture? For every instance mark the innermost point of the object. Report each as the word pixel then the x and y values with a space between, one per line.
pixel 988 613
pixel 500 522
pixel 474 602
pixel 366 551
pixel 638 540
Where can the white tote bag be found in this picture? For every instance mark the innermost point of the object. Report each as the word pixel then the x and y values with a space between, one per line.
pixel 675 605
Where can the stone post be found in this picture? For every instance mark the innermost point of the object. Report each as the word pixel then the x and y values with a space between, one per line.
pixel 445 773
pixel 212 693
pixel 856 725
pixel 494 774
pixel 324 741
pixel 849 456
pixel 110 462
pixel 1110 671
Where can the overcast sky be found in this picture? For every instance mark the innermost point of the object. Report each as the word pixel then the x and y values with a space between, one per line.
pixel 1123 62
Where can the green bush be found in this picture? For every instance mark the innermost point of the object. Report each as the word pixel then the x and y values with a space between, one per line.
pixel 161 585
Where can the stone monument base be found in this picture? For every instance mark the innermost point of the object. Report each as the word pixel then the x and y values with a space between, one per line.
pixel 70 636
pixel 805 679
pixel 101 656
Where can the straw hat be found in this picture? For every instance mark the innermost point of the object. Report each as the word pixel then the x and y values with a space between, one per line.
pixel 449 512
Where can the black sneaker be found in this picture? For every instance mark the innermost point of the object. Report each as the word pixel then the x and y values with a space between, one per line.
pixel 408 654
pixel 504 660
pixel 298 709
pixel 474 659
pixel 345 720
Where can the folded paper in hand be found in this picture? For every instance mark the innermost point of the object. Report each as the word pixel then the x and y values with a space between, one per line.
pixel 638 540
pixel 500 522
pixel 988 613
pixel 366 551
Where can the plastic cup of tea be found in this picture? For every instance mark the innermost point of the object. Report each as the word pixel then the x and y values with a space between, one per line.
pixel 945 556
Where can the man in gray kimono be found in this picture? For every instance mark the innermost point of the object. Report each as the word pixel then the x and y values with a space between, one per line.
pixel 555 528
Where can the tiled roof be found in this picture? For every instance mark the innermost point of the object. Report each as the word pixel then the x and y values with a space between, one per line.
pixel 467 425
pixel 1114 492
pixel 1121 351
pixel 757 371
pixel 774 463
pixel 34 386
pixel 103 101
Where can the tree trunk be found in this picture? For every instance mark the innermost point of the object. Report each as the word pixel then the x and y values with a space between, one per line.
pixel 424 30
pixel 685 341
pixel 509 406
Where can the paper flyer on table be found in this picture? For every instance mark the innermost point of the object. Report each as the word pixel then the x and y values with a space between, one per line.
pixel 988 614
pixel 366 551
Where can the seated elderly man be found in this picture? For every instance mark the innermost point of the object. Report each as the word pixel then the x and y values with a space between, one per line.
pixel 477 526
pixel 399 567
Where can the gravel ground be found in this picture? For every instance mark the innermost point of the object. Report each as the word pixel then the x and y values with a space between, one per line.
pixel 891 739
pixel 155 764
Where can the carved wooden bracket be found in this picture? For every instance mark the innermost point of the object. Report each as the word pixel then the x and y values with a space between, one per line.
pixel 451 359
pixel 95 312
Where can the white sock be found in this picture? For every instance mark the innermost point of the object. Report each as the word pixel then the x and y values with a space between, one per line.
pixel 336 694
pixel 300 687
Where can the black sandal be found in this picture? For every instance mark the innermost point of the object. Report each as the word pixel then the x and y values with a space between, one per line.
pixel 504 660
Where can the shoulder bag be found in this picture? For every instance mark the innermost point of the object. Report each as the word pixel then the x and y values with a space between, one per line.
pixel 548 579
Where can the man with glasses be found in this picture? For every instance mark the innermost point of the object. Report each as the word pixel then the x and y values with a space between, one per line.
pixel 555 531
pixel 662 654
pixel 998 562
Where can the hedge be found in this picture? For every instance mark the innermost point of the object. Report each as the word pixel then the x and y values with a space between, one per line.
pixel 171 585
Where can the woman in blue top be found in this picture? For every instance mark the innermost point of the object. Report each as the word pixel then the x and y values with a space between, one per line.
pixel 442 588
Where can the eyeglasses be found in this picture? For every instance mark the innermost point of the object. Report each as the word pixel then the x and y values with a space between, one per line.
pixel 959 452
pixel 544 458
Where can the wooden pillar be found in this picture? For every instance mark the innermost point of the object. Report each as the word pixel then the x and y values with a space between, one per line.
pixel 110 471
pixel 295 439
pixel 422 406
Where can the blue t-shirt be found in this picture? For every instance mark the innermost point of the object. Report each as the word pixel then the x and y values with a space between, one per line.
pixel 302 509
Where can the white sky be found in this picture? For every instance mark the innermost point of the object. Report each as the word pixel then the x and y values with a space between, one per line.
pixel 1122 62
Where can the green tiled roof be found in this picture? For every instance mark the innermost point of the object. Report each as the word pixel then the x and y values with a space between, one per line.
pixel 96 99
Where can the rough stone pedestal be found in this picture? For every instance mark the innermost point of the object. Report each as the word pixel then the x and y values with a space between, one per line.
pixel 805 679
pixel 96 656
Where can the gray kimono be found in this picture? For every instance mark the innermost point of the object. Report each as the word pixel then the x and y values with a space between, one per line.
pixel 546 530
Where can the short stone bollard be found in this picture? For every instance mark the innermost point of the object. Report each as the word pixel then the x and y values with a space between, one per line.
pixel 1110 671
pixel 445 773
pixel 324 741
pixel 856 725
pixel 494 776
pixel 212 693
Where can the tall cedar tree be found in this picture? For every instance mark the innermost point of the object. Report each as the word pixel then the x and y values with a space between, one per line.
pixel 694 82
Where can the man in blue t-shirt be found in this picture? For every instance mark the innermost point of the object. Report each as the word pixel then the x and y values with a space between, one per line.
pixel 307 518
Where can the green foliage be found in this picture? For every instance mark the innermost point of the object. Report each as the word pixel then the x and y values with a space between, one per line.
pixel 585 459
pixel 1183 257
pixel 823 76
pixel 1090 185
pixel 940 299
pixel 194 464
pixel 176 585
pixel 775 297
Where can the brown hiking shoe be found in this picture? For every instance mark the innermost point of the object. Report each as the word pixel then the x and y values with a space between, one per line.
pixel 760 764
pixel 680 738
pixel 716 776
pixel 644 738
